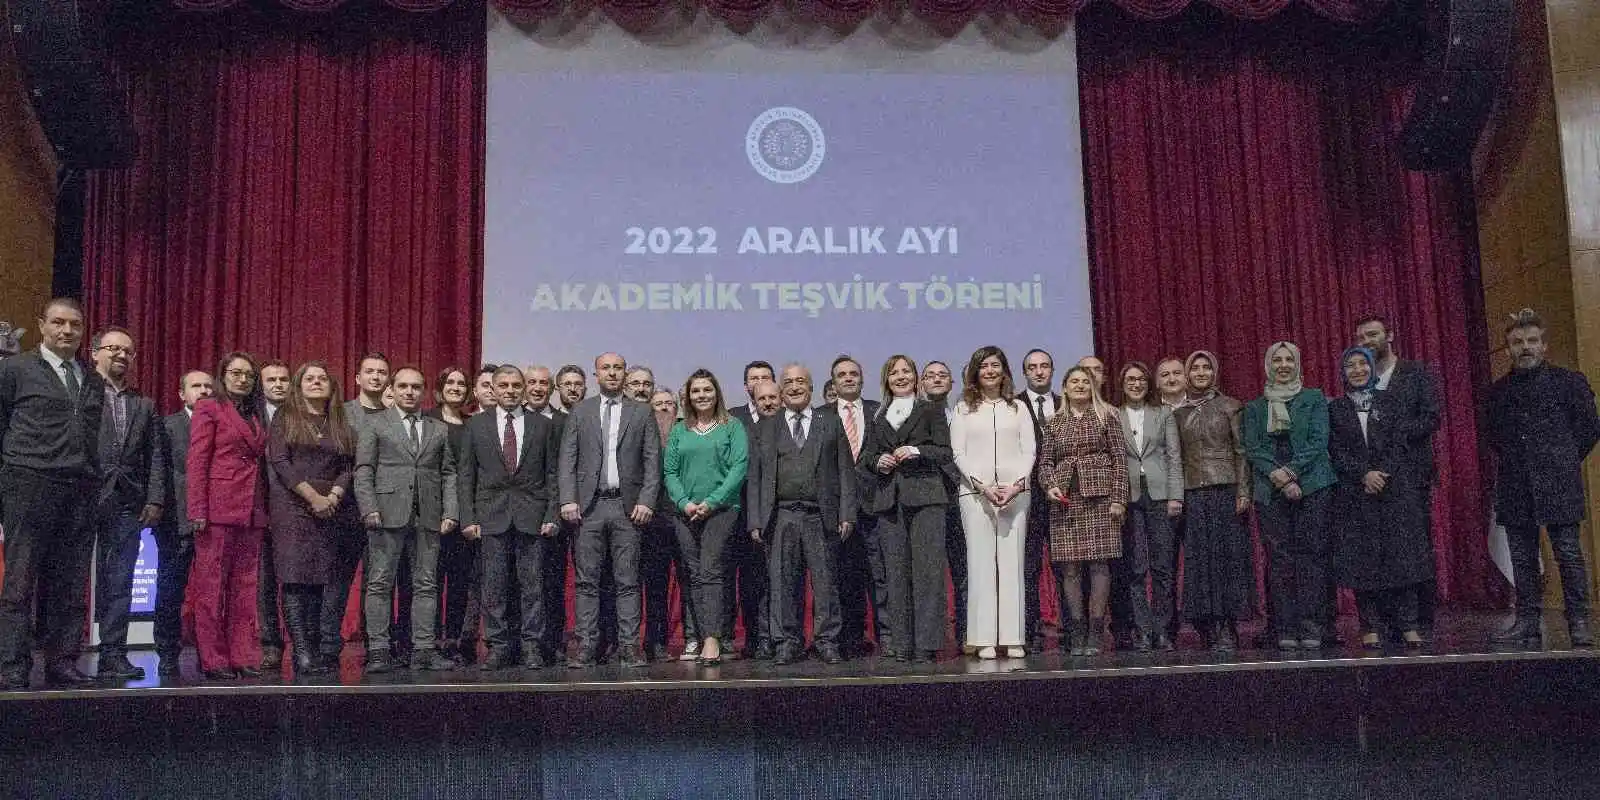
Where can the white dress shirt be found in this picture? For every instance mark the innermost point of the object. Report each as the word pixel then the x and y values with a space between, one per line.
pixel 1049 404
pixel 1136 424
pixel 789 417
pixel 612 479
pixel 1384 376
pixel 517 426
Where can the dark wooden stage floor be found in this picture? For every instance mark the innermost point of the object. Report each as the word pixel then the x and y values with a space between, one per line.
pixel 1455 720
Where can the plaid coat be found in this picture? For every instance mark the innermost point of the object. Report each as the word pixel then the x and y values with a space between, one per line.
pixel 1083 457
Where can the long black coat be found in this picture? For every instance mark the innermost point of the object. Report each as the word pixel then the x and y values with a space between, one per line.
pixel 1541 424
pixel 1381 541
pixel 1410 406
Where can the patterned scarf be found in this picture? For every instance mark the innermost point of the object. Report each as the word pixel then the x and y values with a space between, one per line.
pixel 1360 395
pixel 1279 394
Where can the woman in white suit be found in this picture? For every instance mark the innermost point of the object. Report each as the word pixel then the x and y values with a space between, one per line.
pixel 1155 483
pixel 992 437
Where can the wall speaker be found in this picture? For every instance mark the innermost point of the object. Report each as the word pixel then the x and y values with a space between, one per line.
pixel 61 48
pixel 1459 85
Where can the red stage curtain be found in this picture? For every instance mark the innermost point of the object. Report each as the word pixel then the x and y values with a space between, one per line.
pixel 1244 188
pixel 302 190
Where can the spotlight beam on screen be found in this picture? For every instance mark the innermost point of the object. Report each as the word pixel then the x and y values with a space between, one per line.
pixel 729 200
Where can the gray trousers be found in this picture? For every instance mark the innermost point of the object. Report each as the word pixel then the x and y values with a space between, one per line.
pixel 385 546
pixel 607 531
pixel 797 541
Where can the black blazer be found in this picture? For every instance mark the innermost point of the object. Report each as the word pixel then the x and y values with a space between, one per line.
pixel 919 482
pixel 175 506
pixel 1038 501
pixel 497 501
pixel 41 428
pixel 744 414
pixel 1409 410
pixel 836 479
pixel 138 475
pixel 1542 425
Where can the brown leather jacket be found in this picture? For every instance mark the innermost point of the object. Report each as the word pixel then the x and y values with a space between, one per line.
pixel 1213 451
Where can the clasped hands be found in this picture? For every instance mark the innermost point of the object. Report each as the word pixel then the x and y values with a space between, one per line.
pixel 888 461
pixel 1000 495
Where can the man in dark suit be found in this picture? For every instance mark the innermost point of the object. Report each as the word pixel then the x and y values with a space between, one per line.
pixel 1541 425
pixel 175 536
pixel 861 576
pixel 132 495
pixel 1038 368
pixel 275 375
pixel 750 556
pixel 609 478
pixel 755 373
pixel 801 494
pixel 504 481
pixel 936 383
pixel 540 389
pixel 405 487
pixel 50 406
pixel 1408 396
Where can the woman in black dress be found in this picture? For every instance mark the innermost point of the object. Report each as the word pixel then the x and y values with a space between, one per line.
pixel 462 608
pixel 1384 552
pixel 311 452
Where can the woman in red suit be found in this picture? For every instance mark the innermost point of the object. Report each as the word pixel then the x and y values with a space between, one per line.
pixel 228 508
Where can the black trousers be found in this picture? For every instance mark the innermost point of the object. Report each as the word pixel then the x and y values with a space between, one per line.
pixel 704 547
pixel 347 552
pixel 955 552
pixel 513 572
pixel 607 544
pixel 48 550
pixel 116 553
pixel 461 570
pixel 1383 610
pixel 748 592
pixel 658 550
pixel 1149 558
pixel 1299 553
pixel 913 545
pixel 176 552
pixel 1523 541
pixel 800 541
pixel 267 596
pixel 862 584
pixel 1035 556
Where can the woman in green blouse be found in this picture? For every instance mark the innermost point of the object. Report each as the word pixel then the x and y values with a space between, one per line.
pixel 704 470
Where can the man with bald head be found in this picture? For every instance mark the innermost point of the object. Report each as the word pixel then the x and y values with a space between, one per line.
pixel 802 497
pixel 609 478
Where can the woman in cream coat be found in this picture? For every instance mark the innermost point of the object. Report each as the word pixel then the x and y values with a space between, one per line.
pixel 992 437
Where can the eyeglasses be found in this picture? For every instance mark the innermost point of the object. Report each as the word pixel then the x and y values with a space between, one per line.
pixel 240 373
pixel 117 348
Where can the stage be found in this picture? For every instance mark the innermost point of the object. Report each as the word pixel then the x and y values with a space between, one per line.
pixel 1456 720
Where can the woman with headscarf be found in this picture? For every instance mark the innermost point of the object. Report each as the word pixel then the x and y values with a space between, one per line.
pixel 1218 559
pixel 1384 552
pixel 1286 441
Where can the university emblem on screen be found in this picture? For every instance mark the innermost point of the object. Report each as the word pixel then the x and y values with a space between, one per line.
pixel 785 145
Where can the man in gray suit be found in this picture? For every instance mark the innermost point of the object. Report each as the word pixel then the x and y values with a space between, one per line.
pixel 405 486
pixel 609 477
pixel 175 536
pixel 132 493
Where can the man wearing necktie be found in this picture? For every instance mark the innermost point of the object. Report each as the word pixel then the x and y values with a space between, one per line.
pixel 504 481
pixel 50 408
pixel 1038 367
pixel 609 478
pixel 860 576
pixel 405 486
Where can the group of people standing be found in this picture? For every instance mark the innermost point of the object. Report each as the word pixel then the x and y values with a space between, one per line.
pixel 269 493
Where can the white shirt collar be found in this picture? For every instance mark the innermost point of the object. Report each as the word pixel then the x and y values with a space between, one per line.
pixel 52 359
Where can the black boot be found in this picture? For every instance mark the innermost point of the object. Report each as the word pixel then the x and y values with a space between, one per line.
pixel 1522 632
pixel 302 614
pixel 1578 632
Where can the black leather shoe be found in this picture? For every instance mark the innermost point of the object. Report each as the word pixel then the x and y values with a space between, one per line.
pixel 378 663
pixel 763 651
pixel 497 660
pixel 1224 640
pixel 65 674
pixel 167 665
pixel 271 658
pixel 1164 643
pixel 431 661
pixel 533 658
pixel 220 675
pixel 657 652
pixel 250 673
pixel 830 655
pixel 1141 642
pixel 630 658
pixel 14 682
pixel 784 656
pixel 1578 632
pixel 584 659
pixel 118 668
pixel 1522 632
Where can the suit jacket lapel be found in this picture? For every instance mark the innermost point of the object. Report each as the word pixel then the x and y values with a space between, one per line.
pixel 1151 415
pixel 528 424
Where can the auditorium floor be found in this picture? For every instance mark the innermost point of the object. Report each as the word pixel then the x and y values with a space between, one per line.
pixel 1460 637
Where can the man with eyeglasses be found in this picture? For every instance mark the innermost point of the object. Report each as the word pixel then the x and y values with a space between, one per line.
pixel 132 491
pixel 50 406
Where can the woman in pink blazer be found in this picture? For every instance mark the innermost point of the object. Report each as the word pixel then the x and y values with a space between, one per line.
pixel 228 508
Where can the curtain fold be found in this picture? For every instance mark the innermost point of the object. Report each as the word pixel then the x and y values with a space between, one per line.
pixel 1244 187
